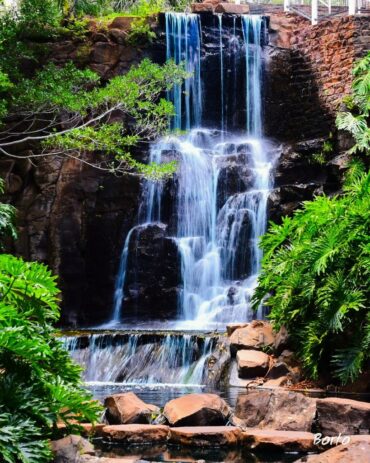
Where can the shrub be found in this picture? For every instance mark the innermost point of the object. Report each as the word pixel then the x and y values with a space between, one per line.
pixel 39 383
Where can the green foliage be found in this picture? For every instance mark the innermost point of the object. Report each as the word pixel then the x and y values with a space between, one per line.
pixel 356 118
pixel 7 216
pixel 315 276
pixel 39 383
pixel 140 33
pixel 322 157
pixel 86 107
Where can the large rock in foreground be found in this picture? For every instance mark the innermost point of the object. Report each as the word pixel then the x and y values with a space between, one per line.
pixel 357 451
pixel 127 408
pixel 256 335
pixel 206 436
pixel 70 448
pixel 287 441
pixel 344 416
pixel 286 411
pixel 197 410
pixel 252 363
pixel 136 433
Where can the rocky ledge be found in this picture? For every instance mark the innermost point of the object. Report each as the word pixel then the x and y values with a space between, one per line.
pixel 283 421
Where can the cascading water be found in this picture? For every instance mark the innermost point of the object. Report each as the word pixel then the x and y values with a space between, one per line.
pixel 216 230
pixel 141 358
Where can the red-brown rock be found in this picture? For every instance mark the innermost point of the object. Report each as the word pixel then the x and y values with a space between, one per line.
pixel 335 415
pixel 271 439
pixel 105 53
pixel 256 335
pixel 252 363
pixel 70 448
pixel 121 22
pixel 357 451
pixel 231 327
pixel 205 436
pixel 127 408
pixel 202 8
pixel 232 8
pixel 283 410
pixel 136 433
pixel 197 410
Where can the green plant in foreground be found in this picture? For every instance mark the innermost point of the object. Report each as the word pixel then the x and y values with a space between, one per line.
pixel 316 266
pixel 39 383
pixel 356 117
pixel 315 275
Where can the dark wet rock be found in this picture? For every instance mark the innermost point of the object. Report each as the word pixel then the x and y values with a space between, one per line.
pixel 197 410
pixel 217 365
pixel 277 370
pixel 346 416
pixel 153 273
pixel 286 411
pixel 127 408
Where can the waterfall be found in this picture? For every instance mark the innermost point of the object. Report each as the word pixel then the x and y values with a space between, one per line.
pixel 217 229
pixel 139 358
pixel 252 37
pixel 183 43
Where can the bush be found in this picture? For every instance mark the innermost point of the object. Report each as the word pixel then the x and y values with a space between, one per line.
pixel 39 383
pixel 316 273
pixel 316 266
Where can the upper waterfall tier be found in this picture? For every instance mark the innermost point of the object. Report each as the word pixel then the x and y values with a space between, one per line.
pixel 199 231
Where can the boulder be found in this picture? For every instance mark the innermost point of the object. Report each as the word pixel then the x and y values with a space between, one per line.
pixel 278 370
pixel 197 410
pixel 127 408
pixel 346 416
pixel 68 449
pixel 272 440
pixel 118 35
pixel 205 436
pixel 231 327
pixel 121 22
pixel 136 433
pixel 231 8
pixel 356 451
pixel 256 335
pixel 202 8
pixel 281 340
pixel 105 53
pixel 283 410
pixel 252 363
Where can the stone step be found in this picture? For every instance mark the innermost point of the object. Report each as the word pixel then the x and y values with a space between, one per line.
pixel 136 433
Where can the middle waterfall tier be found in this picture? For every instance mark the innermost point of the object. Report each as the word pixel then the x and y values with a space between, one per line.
pixel 193 255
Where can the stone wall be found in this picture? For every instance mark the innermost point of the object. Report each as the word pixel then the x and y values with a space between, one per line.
pixel 312 65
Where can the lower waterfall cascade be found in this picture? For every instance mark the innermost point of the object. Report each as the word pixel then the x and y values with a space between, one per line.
pixel 219 200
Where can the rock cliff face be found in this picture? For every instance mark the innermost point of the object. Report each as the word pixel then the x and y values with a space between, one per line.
pixel 76 218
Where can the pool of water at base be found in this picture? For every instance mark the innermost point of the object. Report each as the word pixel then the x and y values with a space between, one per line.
pixel 166 453
pixel 160 394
